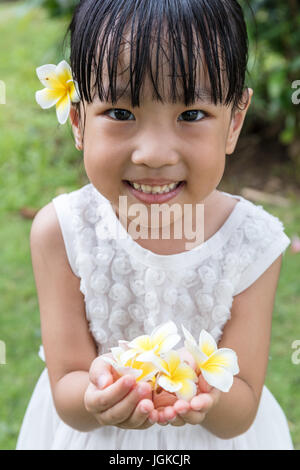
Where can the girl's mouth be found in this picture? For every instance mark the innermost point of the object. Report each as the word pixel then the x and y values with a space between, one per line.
pixel 154 194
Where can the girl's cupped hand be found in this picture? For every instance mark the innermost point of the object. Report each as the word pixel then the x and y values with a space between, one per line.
pixel 122 402
pixel 117 401
pixel 168 409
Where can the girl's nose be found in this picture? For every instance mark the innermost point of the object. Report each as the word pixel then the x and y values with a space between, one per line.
pixel 155 152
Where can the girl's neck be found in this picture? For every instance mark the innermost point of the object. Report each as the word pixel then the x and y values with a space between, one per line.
pixel 217 208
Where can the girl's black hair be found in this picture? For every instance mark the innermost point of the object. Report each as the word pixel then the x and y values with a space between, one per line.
pixel 209 33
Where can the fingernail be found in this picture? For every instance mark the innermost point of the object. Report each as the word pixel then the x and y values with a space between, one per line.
pixel 144 409
pixel 102 380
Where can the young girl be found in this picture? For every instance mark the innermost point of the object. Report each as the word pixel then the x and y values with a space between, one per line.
pixel 162 103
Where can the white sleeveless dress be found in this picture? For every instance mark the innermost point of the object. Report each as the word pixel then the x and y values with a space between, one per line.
pixel 129 290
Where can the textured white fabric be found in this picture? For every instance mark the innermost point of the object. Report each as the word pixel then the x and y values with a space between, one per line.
pixel 129 290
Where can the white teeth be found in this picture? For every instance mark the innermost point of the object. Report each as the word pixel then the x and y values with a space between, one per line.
pixel 145 188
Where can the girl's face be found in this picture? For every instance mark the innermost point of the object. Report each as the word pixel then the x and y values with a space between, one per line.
pixel 157 141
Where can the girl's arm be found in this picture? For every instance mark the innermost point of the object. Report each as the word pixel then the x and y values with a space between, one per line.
pixel 248 332
pixel 69 346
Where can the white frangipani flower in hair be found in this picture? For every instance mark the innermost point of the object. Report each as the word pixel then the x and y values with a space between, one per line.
pixel 60 89
pixel 218 366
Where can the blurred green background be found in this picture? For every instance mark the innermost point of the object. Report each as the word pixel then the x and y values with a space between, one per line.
pixel 38 160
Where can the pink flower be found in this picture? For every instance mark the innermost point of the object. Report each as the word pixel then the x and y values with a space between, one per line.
pixel 295 246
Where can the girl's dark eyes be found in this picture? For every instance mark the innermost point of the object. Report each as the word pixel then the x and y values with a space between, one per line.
pixel 122 114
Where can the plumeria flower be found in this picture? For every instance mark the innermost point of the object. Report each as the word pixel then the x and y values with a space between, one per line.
pixel 60 89
pixel 177 377
pixel 141 371
pixel 148 348
pixel 218 366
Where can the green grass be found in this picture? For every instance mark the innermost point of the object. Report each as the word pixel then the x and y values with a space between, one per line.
pixel 38 160
pixel 283 377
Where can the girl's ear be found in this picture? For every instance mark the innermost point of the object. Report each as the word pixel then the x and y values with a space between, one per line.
pixel 74 118
pixel 236 125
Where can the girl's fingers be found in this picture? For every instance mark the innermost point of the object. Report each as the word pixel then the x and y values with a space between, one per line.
pixel 184 411
pixel 167 416
pixel 177 421
pixel 153 416
pixel 205 401
pixel 161 418
pixel 198 407
pixel 97 401
pixel 122 411
pixel 201 402
pixel 169 413
pixel 203 386
pixel 101 373
pixel 140 415
pixel 181 406
pixel 192 417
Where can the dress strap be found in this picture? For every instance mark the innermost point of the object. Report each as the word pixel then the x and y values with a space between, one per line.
pixel 64 215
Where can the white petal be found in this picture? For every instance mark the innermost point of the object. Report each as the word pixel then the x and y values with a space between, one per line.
pixel 123 344
pixel 116 352
pixel 168 385
pixel 47 98
pixel 128 371
pixel 228 359
pixel 62 67
pixel 63 73
pixel 44 71
pixel 76 97
pixel 140 343
pixel 187 391
pixel 222 380
pixel 149 376
pixel 188 336
pixel 63 107
pixel 122 370
pixel 207 343
pixel 169 343
pixel 110 361
pixel 149 356
pixel 192 347
pixel 164 330
pixel 127 355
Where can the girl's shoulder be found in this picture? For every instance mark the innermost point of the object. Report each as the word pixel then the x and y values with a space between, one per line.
pixel 45 230
pixel 47 240
pixel 52 228
pixel 257 240
pixel 252 213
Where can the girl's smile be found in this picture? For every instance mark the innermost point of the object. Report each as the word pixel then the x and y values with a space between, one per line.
pixel 151 193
